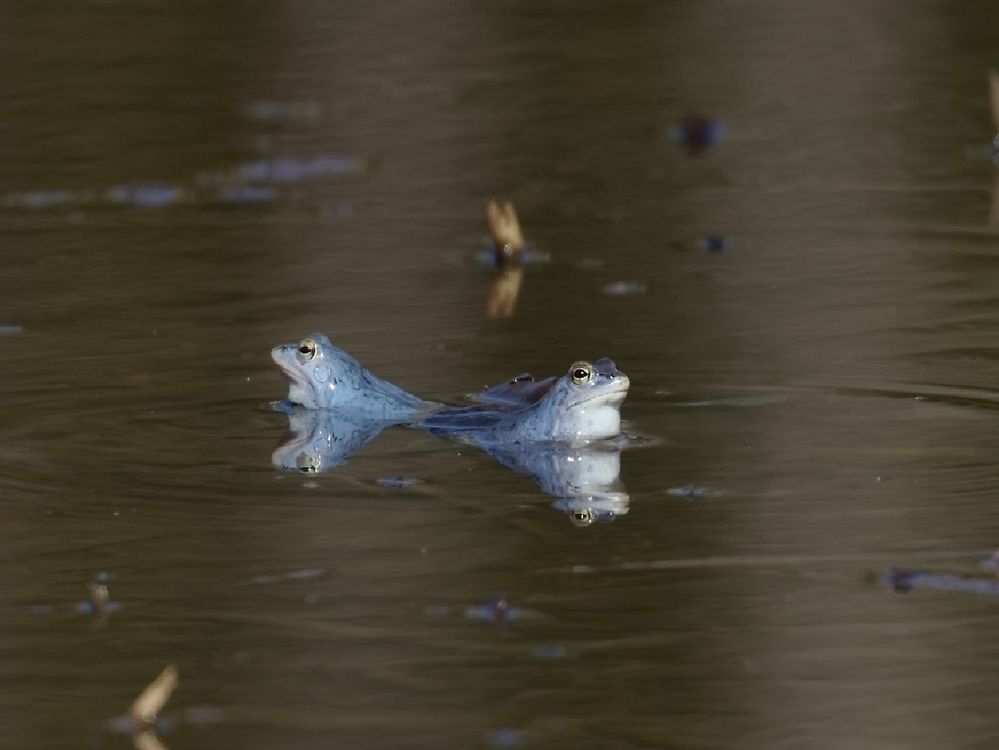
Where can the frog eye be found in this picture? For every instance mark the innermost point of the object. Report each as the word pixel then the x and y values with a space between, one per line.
pixel 306 350
pixel 581 372
pixel 582 517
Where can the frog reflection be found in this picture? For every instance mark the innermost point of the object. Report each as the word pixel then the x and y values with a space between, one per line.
pixel 584 480
pixel 318 440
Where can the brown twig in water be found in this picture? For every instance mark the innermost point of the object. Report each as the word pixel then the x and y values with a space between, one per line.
pixel 151 700
pixel 505 229
pixel 99 595
pixel 508 243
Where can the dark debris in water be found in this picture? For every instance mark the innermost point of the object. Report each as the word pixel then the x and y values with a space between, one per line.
pixel 903 581
pixel 697 133
pixel 713 243
pixel 496 611
pixel 398 482
pixel 687 491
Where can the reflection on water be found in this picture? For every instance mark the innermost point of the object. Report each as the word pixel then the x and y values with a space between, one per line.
pixel 584 480
pixel 504 291
pixel 318 440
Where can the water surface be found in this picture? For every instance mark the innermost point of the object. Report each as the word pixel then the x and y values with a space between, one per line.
pixel 828 380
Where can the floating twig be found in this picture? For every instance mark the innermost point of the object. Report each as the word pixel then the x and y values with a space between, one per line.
pixel 99 595
pixel 151 700
pixel 505 229
pixel 508 247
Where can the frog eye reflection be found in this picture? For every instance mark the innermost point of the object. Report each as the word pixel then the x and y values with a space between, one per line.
pixel 581 372
pixel 306 350
pixel 306 463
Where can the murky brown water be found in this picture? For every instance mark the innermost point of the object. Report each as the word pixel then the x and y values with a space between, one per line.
pixel 827 384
